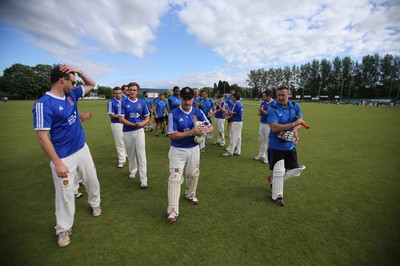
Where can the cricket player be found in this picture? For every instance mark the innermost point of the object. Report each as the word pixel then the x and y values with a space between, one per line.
pixel 134 115
pixel 61 136
pixel 229 103
pixel 174 100
pixel 284 119
pixel 149 102
pixel 219 120
pixel 125 92
pixel 197 100
pixel 160 111
pixel 263 130
pixel 208 107
pixel 185 123
pixel 116 125
pixel 236 116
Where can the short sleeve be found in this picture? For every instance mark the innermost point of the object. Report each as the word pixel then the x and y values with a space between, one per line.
pixel 42 116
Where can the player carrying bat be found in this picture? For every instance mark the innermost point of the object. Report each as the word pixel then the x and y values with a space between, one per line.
pixel 187 126
pixel 284 119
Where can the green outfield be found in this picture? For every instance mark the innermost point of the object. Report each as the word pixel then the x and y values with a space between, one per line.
pixel 343 210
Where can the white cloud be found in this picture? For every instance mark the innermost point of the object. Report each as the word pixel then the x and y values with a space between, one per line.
pixel 118 26
pixel 247 34
pixel 200 79
pixel 259 33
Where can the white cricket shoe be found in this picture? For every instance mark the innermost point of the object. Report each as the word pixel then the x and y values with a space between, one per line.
pixel 265 161
pixel 258 158
pixel 96 211
pixel 63 239
pixel 172 217
pixel 226 154
pixel 144 185
pixel 121 164
pixel 193 200
pixel 132 176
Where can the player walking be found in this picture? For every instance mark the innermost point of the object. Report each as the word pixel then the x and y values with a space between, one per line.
pixel 116 125
pixel 284 118
pixel 236 114
pixel 134 115
pixel 57 113
pixel 184 151
pixel 264 129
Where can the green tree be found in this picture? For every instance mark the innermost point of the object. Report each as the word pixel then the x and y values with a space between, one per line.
pixel 103 90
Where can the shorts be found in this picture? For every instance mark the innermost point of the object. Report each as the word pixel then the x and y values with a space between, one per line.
pixel 161 119
pixel 290 158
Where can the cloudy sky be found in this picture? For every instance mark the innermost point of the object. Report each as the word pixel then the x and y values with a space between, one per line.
pixel 162 43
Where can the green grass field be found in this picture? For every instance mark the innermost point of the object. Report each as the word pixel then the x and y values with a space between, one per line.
pixel 343 210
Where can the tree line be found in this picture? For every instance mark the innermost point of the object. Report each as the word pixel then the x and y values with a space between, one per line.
pixel 373 77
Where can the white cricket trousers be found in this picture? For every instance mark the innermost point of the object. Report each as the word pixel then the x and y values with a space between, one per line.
pixel 116 129
pixel 220 127
pixel 235 146
pixel 178 157
pixel 263 133
pixel 136 149
pixel 65 200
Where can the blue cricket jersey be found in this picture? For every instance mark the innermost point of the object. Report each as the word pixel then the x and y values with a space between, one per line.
pixel 133 111
pixel 229 102
pixel 60 116
pixel 196 100
pixel 112 109
pixel 172 100
pixel 206 106
pixel 220 111
pixel 237 110
pixel 160 106
pixel 181 121
pixel 282 115
pixel 265 106
pixel 148 102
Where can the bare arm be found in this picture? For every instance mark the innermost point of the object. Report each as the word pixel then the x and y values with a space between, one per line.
pixel 275 127
pixel 89 83
pixel 113 116
pixel 213 111
pixel 48 148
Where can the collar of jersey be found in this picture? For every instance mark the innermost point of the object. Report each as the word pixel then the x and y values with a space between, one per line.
pixel 180 107
pixel 137 99
pixel 52 95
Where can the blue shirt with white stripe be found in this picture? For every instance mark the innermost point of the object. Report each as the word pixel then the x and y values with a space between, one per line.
pixel 181 121
pixel 112 109
pixel 265 106
pixel 60 116
pixel 134 112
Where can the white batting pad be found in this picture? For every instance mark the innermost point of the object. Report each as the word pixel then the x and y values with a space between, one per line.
pixel 192 181
pixel 277 179
pixel 294 172
pixel 174 192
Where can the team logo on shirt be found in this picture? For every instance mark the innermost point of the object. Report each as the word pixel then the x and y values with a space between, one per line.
pixel 139 105
pixel 194 118
pixel 71 102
